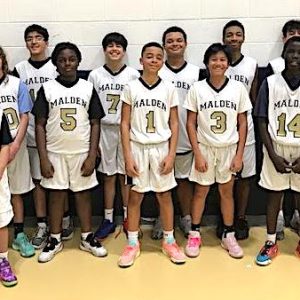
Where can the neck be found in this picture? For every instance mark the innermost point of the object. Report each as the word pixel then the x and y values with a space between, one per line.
pixel 68 78
pixel 236 55
pixel 115 66
pixel 217 81
pixel 150 78
pixel 1 74
pixel 38 57
pixel 175 61
pixel 292 73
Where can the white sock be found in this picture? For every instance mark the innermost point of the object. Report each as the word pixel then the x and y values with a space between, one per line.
pixel 84 235
pixel 229 234
pixel 66 222
pixel 280 213
pixel 133 238
pixel 169 236
pixel 109 214
pixel 4 255
pixel 56 236
pixel 42 224
pixel 125 212
pixel 271 237
pixel 194 233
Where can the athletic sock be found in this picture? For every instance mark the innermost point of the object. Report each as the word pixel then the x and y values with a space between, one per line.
pixel 19 227
pixel 109 214
pixel 271 237
pixel 57 236
pixel 133 238
pixel 4 255
pixel 84 235
pixel 195 227
pixel 125 212
pixel 228 231
pixel 169 236
pixel 41 221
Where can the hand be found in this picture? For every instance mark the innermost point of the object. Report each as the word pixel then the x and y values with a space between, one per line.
pixel 88 166
pixel 236 164
pixel 200 163
pixel 47 169
pixel 296 166
pixel 13 150
pixel 167 165
pixel 281 165
pixel 131 168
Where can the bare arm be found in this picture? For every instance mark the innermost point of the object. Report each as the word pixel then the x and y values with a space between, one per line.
pixel 254 86
pixel 4 158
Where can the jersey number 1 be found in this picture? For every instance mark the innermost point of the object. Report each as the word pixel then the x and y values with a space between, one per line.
pixel 150 122
pixel 292 126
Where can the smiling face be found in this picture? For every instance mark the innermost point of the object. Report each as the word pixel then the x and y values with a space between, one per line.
pixel 175 44
pixel 292 56
pixel 234 37
pixel 152 59
pixel 67 63
pixel 114 52
pixel 36 44
pixel 217 64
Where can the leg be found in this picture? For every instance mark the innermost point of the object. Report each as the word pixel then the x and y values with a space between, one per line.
pixel 295 221
pixel 84 210
pixel 40 203
pixel 125 189
pixel 67 222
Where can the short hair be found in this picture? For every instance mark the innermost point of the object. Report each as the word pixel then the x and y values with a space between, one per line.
pixel 173 29
pixel 288 42
pixel 233 23
pixel 214 49
pixel 151 44
pixel 38 28
pixel 5 69
pixel 63 46
pixel 115 37
pixel 290 25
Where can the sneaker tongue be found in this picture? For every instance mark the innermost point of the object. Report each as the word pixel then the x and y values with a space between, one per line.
pixel 132 243
pixel 170 240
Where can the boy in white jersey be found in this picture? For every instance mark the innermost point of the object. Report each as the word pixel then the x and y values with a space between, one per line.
pixel 243 69
pixel 34 72
pixel 149 132
pixel 16 105
pixel 182 74
pixel 7 277
pixel 290 28
pixel 278 110
pixel 217 128
pixel 68 113
pixel 109 81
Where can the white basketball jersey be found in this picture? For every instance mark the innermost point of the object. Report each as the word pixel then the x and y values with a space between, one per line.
pixel 283 111
pixel 150 110
pixel 182 79
pixel 34 78
pixel 109 87
pixel 9 89
pixel 277 65
pixel 244 72
pixel 68 124
pixel 217 111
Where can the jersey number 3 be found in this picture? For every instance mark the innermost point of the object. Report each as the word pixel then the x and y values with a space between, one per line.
pixel 220 118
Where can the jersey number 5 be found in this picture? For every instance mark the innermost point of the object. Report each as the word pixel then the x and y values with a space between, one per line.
pixel 220 118
pixel 67 116
pixel 292 126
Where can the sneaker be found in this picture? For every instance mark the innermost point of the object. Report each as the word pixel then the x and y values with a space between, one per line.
pixel 105 229
pixel 280 227
pixel 90 244
pixel 295 222
pixel 7 276
pixel 39 238
pixel 67 233
pixel 241 229
pixel 22 244
pixel 53 247
pixel 129 255
pixel 230 244
pixel 267 253
pixel 157 231
pixel 174 252
pixel 192 249
pixel 185 225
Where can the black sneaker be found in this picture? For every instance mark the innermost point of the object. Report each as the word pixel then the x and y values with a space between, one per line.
pixel 241 229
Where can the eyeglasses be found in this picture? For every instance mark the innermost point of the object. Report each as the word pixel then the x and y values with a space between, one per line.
pixel 37 38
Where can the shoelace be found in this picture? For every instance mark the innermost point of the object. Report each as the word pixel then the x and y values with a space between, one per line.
pixel 41 232
pixel 266 248
pixel 6 271
pixel 232 242
pixel 50 245
pixel 24 241
pixel 128 249
pixel 194 242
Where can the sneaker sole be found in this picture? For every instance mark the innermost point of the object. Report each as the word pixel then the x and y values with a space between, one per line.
pixel 52 256
pixel 66 238
pixel 192 255
pixel 9 284
pixel 230 254
pixel 263 263
pixel 90 251
pixel 15 247
pixel 129 264
pixel 42 245
pixel 174 260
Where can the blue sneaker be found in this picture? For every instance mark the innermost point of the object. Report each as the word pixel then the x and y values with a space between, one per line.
pixel 22 244
pixel 267 253
pixel 105 229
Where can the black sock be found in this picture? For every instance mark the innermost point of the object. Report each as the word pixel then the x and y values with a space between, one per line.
pixel 19 227
pixel 228 229
pixel 196 227
pixel 67 214
pixel 41 220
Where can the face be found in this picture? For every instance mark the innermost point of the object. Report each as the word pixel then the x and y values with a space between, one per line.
pixel 114 52
pixel 234 37
pixel 292 56
pixel 152 59
pixel 217 64
pixel 36 44
pixel 67 63
pixel 290 33
pixel 175 44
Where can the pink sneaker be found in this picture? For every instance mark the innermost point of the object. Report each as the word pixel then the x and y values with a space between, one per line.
pixel 230 244
pixel 192 249
pixel 129 255
pixel 173 251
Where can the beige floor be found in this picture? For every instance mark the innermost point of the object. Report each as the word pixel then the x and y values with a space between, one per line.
pixel 74 274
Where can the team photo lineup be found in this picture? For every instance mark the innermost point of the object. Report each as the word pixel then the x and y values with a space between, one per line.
pixel 170 127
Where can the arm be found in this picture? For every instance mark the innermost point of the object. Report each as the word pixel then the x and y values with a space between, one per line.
pixel 254 86
pixel 130 165
pixel 191 126
pixel 168 162
pixel 88 165
pixel 5 140
pixel 237 162
pixel 4 158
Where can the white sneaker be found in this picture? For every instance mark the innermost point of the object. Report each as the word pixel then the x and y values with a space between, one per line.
pixel 295 221
pixel 53 246
pixel 90 244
